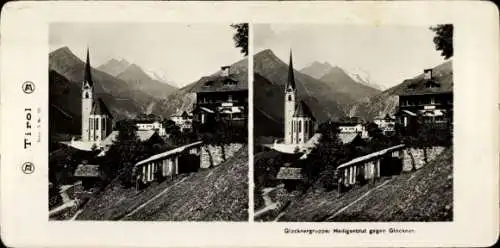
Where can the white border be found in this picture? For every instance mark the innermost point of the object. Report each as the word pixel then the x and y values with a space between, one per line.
pixel 24 49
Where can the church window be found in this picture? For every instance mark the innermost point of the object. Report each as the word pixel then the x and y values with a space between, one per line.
pixel 86 95
pixel 300 126
pixel 97 123
pixel 103 124
pixel 289 97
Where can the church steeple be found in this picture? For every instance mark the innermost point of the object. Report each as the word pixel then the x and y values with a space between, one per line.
pixel 88 75
pixel 291 78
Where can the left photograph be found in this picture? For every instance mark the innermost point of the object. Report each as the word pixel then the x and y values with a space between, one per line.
pixel 148 121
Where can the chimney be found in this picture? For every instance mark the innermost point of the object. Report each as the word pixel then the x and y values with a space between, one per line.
pixel 224 71
pixel 428 74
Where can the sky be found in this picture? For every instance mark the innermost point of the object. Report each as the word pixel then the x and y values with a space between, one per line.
pixel 182 52
pixel 389 54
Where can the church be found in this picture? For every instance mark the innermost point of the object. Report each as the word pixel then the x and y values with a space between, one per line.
pixel 299 120
pixel 97 121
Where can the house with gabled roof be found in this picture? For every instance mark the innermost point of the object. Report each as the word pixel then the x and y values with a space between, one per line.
pixel 221 96
pixel 428 97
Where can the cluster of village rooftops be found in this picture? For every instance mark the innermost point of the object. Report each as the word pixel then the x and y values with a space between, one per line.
pixel 222 96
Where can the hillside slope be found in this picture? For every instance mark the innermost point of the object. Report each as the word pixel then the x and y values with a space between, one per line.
pixel 424 195
pixel 342 82
pixel 387 101
pixel 218 194
pixel 139 80
pixel 64 112
pixel 268 121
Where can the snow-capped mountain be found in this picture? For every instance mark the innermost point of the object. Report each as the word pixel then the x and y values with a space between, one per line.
pixel 158 75
pixel 363 77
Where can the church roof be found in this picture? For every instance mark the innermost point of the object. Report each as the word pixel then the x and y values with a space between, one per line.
pixel 302 110
pixel 88 75
pixel 291 77
pixel 100 108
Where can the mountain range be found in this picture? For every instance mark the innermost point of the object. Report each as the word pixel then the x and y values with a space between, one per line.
pixel 126 97
pixel 318 70
pixel 330 96
pixel 148 81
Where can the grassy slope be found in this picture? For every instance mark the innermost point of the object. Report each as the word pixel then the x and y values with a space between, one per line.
pixel 425 195
pixel 220 194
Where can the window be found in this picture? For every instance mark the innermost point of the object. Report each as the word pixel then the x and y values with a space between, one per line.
pixel 86 95
pixel 306 126
pixel 229 82
pixel 97 123
pixel 289 97
pixel 300 126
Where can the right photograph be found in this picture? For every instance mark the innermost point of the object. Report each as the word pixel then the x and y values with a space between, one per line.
pixel 353 122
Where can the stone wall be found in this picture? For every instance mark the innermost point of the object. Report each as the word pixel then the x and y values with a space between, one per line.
pixel 212 155
pixel 416 156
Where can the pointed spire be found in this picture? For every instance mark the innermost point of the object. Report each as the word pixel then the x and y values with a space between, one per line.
pixel 88 75
pixel 291 78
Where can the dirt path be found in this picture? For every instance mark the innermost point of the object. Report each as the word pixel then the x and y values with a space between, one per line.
pixel 153 198
pixel 62 207
pixel 355 201
pixel 268 202
pixel 76 214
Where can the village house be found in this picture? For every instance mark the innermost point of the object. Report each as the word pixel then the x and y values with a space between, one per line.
pixel 148 124
pixel 88 174
pixel 184 121
pixel 352 125
pixel 184 159
pixel 221 97
pixel 385 124
pixel 291 177
pixel 428 97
